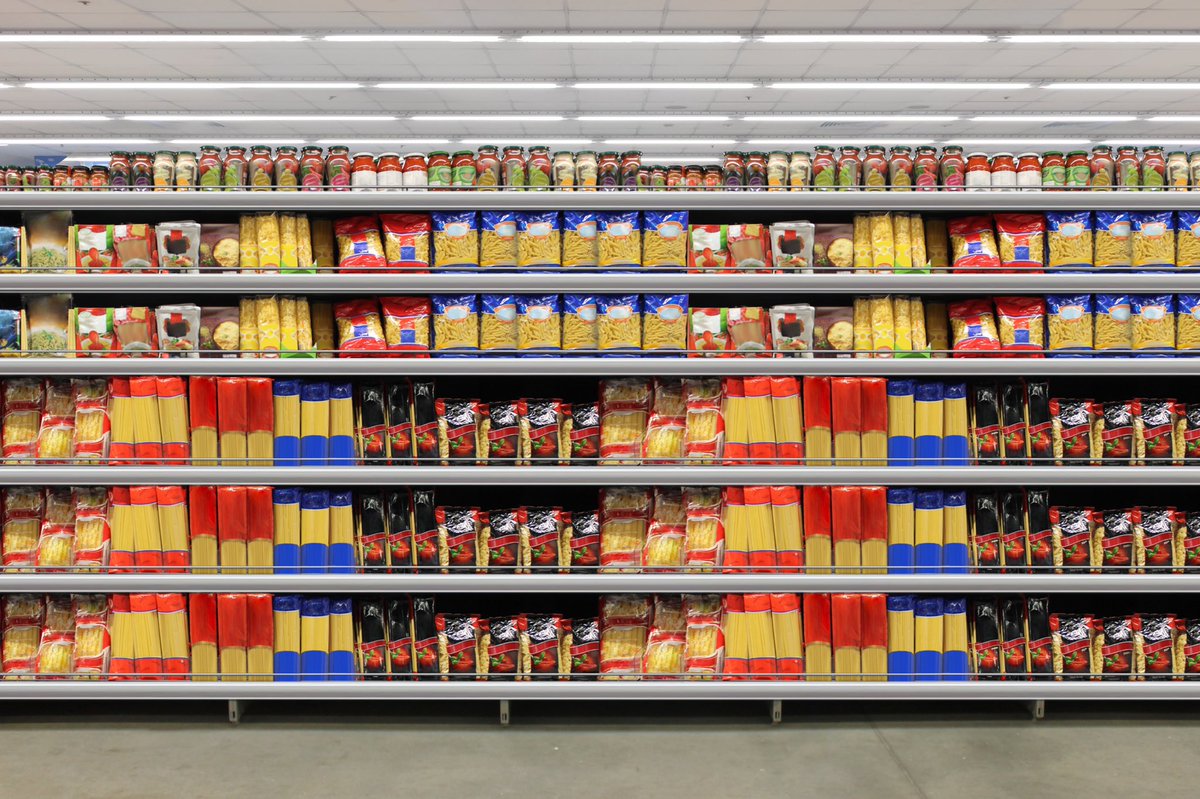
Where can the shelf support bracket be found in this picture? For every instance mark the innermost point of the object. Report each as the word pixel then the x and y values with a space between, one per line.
pixel 1037 709
pixel 236 708
pixel 504 714
pixel 776 711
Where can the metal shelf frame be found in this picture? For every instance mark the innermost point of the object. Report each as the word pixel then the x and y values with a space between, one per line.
pixel 569 281
pixel 601 583
pixel 692 200
pixel 599 690
pixel 585 366
pixel 599 475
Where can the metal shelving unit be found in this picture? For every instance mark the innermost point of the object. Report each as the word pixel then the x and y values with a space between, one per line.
pixel 600 475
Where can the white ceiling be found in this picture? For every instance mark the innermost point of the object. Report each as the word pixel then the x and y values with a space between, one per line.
pixel 510 60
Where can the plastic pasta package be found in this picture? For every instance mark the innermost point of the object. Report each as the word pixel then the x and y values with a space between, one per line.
pixel 455 322
pixel 902 237
pixel 792 329
pixel 1069 236
pixel 704 642
pixel 539 325
pixel 359 246
pixel 498 322
pixel 288 259
pixel 749 248
pixel 619 321
pixel 973 245
pixel 1022 242
pixel 248 242
pixel 1114 248
pixel 359 327
pixel 1069 321
pixel 624 518
pixel 539 240
pixel 883 325
pixel 1187 240
pixel 267 230
pixel 619 240
pixel 1153 321
pixel 665 429
pixel 665 240
pixel 664 322
pixel 579 245
pixel 304 244
pixel 792 246
pixel 863 259
pixel 624 407
pixel 267 320
pixel 1153 237
pixel 1022 324
pixel 937 244
pixel 883 243
pixel 1187 322
pixel 406 323
pixel 704 533
pixel 624 628
pixel 580 327
pixel 705 426
pixel 456 240
pixel 708 249
pixel 498 240
pixel 666 641
pixel 973 327
pixel 406 241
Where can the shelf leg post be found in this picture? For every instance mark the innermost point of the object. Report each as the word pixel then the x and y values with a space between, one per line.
pixel 1037 709
pixel 236 708
pixel 504 716
pixel 776 711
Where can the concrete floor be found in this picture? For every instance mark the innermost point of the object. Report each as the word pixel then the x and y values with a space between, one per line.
pixel 727 751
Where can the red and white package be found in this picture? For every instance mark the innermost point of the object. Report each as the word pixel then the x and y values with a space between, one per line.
pixel 973 244
pixel 624 408
pixel 624 627
pixel 737 547
pixel 663 551
pixel 665 644
pixel 406 242
pixel 360 330
pixel 92 531
pixel 704 427
pixel 23 399
pixel 406 324
pixel 120 557
pixel 667 423
pixel 57 642
pixel 704 536
pixel 360 248
pixel 23 510
pixel 22 635
pixel 624 519
pixel 92 424
pixel 92 640
pixel 120 446
pixel 56 541
pixel 704 647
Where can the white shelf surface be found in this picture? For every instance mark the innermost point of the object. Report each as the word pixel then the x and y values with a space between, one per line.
pixel 602 583
pixel 690 200
pixel 584 366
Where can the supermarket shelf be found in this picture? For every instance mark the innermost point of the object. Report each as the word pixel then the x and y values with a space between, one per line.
pixel 702 200
pixel 602 583
pixel 570 281
pixel 653 690
pixel 567 366
pixel 599 475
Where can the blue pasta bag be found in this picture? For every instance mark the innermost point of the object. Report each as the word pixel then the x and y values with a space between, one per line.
pixel 1113 331
pixel 1070 240
pixel 456 240
pixel 664 322
pixel 1114 249
pixel 619 240
pixel 498 239
pixel 539 240
pixel 1187 322
pixel 1153 236
pixel 10 330
pixel 579 239
pixel 10 249
pixel 1069 322
pixel 1153 317
pixel 579 325
pixel 455 322
pixel 619 321
pixel 1187 240
pixel 497 322
pixel 664 239
pixel 539 325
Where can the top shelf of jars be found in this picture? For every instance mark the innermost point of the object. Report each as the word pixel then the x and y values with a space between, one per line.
pixel 509 178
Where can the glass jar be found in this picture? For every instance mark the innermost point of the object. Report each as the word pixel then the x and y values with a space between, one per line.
pixel 208 169
pixel 978 175
pixel 416 171
pixel 1079 170
pixel 462 169
pixel 287 169
pixel 900 169
pixel 312 169
pixel 141 172
pixel 164 170
pixel 1154 169
pixel 29 179
pixel 440 170
pixel 118 170
pixel 513 168
pixel 338 168
pixel 925 169
pixel 1103 167
pixel 777 171
pixel 952 168
pixel 1004 171
pixel 61 180
pixel 693 176
pixel 875 168
pixel 1194 169
pixel 675 176
pixel 564 170
pixel 714 176
pixel 262 168
pixel 586 171
pixel 658 178
pixel 389 171
pixel 1177 170
pixel 487 168
pixel 12 177
pixel 631 163
pixel 235 169
pixel 1129 168
pixel 1029 171
pixel 363 176
pixel 756 171
pixel 44 178
pixel 185 170
pixel 800 170
pixel 1054 170
pixel 643 178
pixel 80 179
pixel 734 170
pixel 608 171
pixel 849 168
pixel 538 169
pixel 98 178
pixel 824 169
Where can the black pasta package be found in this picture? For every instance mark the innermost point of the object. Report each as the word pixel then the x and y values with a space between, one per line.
pixel 400 533
pixel 425 530
pixel 399 421
pixel 1012 639
pixel 986 533
pixel 1013 543
pixel 1040 425
pixel 425 637
pixel 372 640
pixel 1041 644
pixel 1012 426
pixel 425 422
pixel 400 638
pixel 1041 536
pixel 987 641
pixel 986 431
pixel 372 425
pixel 372 533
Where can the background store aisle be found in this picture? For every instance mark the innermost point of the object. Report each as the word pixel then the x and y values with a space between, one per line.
pixel 823 750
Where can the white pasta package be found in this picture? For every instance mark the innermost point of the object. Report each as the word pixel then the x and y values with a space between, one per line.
pixel 704 647
pixel 666 641
pixel 624 519
pixel 624 408
pixel 624 627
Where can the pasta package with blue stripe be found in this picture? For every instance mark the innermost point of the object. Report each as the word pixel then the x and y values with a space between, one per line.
pixel 841 637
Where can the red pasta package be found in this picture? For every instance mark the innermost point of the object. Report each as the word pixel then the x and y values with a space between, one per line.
pixel 973 327
pixel 624 627
pixel 1022 323
pixel 973 245
pixel 1021 242
pixel 406 241
pixel 359 327
pixel 704 648
pixel 360 248
pixel 406 324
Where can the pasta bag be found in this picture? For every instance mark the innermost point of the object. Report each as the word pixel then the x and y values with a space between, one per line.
pixel 248 242
pixel 902 237
pixel 883 243
pixel 863 257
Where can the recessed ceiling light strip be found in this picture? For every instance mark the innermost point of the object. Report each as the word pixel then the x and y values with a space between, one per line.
pixel 171 85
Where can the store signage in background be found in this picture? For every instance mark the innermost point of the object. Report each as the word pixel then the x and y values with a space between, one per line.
pixel 47 160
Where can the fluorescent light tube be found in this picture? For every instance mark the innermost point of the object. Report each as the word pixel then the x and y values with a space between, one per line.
pixel 466 85
pixel 1019 142
pixel 1128 86
pixel 1103 38
pixel 669 142
pixel 874 38
pixel 245 140
pixel 154 38
pixel 54 118
pixel 411 37
pixel 851 118
pixel 1174 118
pixel 637 38
pixel 156 85
pixel 715 85
pixel 259 118
pixel 652 118
pixel 869 85
pixel 73 142
pixel 799 142
pixel 382 142
pixel 1056 118
pixel 529 142
pixel 487 118
pixel 1165 140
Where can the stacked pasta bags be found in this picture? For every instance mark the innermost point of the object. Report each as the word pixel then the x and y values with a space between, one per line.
pixel 56 529
pixel 150 637
pixel 927 638
pixel 1019 639
pixel 56 637
pixel 56 421
pixel 845 637
pixel 927 531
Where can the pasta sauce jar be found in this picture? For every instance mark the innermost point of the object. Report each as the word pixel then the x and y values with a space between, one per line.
pixel 608 171
pixel 98 178
pixel 312 169
pixel 118 171
pixel 62 178
pixel 164 170
pixel 1129 168
pixel 185 170
pixel 389 171
pixel 1177 170
pixel 756 171
pixel 875 168
pixel 1004 171
pixel 693 176
pixel 1194 169
pixel 925 169
pixel 362 172
pixel 462 169
pixel 849 168
pixel 141 172
pixel 262 169
pixel 979 172
pixel 1079 171
pixel 338 168
pixel 440 170
pixel 714 176
pixel 233 175
pixel 900 169
pixel 777 171
pixel 1154 169
pixel 487 168
pixel 416 171
pixel 658 178
pixel 564 170
pixel 512 166
pixel 1029 171
pixel 585 170
pixel 209 168
pixel 824 169
pixel 287 169
pixel 631 163
pixel 734 170
pixel 1054 170
pixel 80 179
pixel 952 168
pixel 800 170
pixel 1104 168
pixel 539 168
pixel 674 177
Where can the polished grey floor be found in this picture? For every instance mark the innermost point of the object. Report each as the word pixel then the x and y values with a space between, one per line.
pixel 591 750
